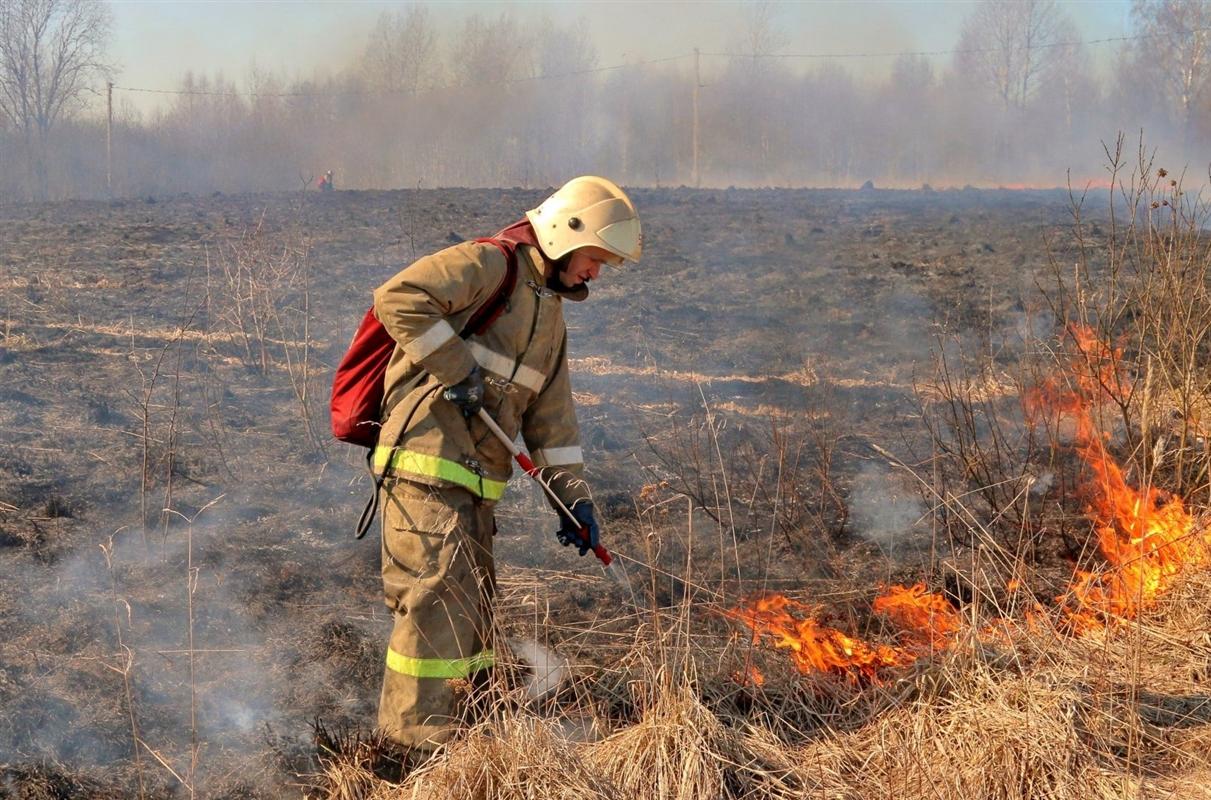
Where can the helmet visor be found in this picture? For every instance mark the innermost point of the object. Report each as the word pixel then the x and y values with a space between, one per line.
pixel 622 238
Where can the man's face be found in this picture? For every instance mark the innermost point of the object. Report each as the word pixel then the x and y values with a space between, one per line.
pixel 585 265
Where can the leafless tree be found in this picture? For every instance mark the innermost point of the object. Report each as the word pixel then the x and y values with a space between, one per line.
pixel 1175 52
pixel 908 91
pixel 1014 47
pixel 401 54
pixel 560 124
pixel 489 52
pixel 488 60
pixel 759 35
pixel 752 79
pixel 50 51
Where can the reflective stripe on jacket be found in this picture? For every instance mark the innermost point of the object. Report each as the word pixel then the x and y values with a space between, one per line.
pixel 523 359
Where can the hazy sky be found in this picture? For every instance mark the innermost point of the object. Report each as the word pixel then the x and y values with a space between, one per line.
pixel 156 41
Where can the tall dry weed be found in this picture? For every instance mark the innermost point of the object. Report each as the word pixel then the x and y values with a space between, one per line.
pixel 519 758
pixel 1020 710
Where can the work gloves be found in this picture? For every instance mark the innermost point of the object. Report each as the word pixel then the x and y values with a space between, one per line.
pixel 467 394
pixel 569 533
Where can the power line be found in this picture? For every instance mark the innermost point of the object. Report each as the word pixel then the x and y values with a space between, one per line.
pixel 649 62
pixel 410 92
pixel 964 50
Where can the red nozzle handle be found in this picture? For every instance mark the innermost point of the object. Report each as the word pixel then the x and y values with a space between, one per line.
pixel 602 554
pixel 525 463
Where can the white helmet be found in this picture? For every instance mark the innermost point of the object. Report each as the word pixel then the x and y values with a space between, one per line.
pixel 587 212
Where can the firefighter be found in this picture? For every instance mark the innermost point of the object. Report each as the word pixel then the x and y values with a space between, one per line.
pixel 443 469
pixel 326 182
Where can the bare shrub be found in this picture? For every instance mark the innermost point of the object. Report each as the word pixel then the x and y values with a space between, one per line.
pixel 1137 282
pixel 258 281
pixel 984 459
pixel 258 294
pixel 160 418
pixel 755 481
pixel 1157 308
pixel 126 662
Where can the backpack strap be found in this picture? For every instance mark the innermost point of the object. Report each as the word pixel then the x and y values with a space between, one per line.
pixel 498 303
pixel 482 319
pixel 479 322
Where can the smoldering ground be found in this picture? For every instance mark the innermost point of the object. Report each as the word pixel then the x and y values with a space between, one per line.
pixel 763 311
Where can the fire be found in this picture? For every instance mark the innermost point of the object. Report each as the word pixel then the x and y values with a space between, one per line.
pixel 814 648
pixel 749 676
pixel 1145 535
pixel 925 616
pixel 927 620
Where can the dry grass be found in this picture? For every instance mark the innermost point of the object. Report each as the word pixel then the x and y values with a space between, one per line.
pixel 1106 716
pixel 1026 716
pixel 679 749
pixel 993 736
pixel 517 758
pixel 1026 713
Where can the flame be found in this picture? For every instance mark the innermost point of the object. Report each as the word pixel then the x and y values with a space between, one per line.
pixel 927 619
pixel 814 648
pixel 1145 535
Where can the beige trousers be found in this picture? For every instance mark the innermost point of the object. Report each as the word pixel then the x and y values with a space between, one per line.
pixel 438 579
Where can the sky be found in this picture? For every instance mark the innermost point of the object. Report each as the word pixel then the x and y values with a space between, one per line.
pixel 156 41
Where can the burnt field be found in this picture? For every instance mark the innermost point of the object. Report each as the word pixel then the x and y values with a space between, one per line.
pixel 181 596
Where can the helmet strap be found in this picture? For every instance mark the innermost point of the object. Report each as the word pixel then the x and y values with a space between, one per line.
pixel 558 267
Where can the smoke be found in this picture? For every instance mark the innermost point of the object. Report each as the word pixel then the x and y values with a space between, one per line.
pixel 903 325
pixel 432 100
pixel 882 509
pixel 547 669
pixel 1022 330
pixel 256 672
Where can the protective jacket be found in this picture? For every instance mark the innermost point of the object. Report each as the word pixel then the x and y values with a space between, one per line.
pixel 523 355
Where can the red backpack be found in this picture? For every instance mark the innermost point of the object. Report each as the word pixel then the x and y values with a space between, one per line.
pixel 357 386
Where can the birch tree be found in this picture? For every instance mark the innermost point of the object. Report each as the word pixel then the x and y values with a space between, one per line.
pixel 50 53
pixel 401 54
pixel 1174 51
pixel 1014 47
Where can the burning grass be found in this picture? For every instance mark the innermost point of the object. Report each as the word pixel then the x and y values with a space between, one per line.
pixel 1100 695
pixel 970 690
pixel 1114 714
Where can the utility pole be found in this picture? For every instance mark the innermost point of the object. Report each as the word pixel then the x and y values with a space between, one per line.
pixel 695 175
pixel 109 138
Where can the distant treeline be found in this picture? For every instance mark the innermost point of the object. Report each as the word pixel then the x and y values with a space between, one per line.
pixel 514 100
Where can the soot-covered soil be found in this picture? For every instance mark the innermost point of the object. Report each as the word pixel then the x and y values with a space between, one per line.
pixel 764 339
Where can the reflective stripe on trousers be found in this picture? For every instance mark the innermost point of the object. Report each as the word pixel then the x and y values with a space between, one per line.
pixel 439 667
pixel 438 578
